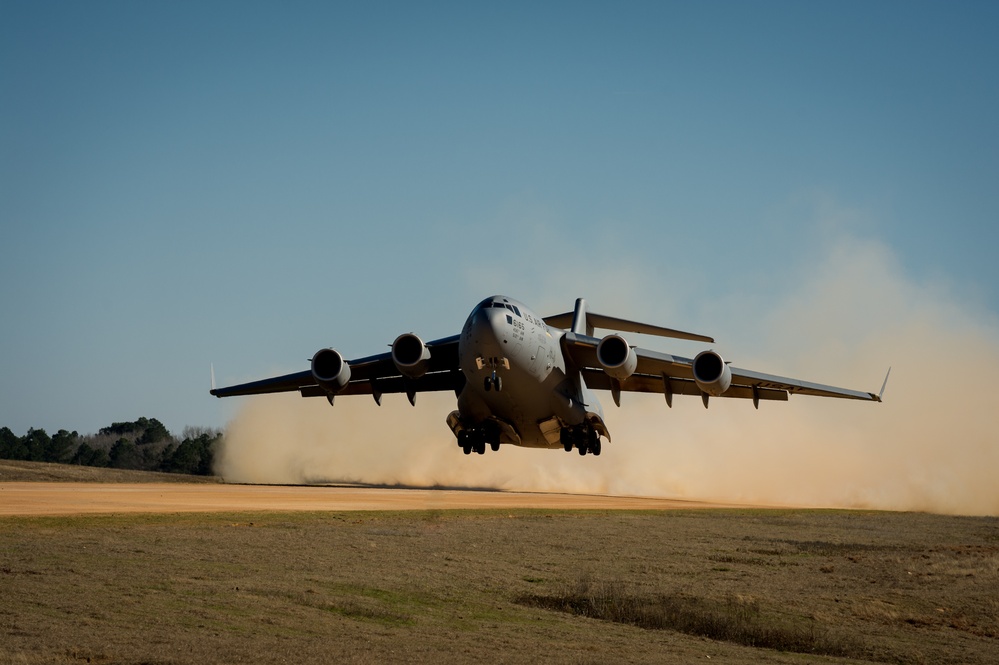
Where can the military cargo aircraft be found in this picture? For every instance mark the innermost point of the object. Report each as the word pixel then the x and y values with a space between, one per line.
pixel 528 380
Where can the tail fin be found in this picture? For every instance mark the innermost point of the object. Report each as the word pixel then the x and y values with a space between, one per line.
pixel 580 322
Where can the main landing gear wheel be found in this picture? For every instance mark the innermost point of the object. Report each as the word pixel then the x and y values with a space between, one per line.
pixel 476 439
pixel 583 438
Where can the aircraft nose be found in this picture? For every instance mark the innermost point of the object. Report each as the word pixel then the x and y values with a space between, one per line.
pixel 488 326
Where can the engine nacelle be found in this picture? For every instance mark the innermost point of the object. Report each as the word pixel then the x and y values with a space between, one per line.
pixel 711 374
pixel 330 371
pixel 410 355
pixel 616 357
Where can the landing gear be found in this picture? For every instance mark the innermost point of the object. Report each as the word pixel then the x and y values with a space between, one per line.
pixel 493 381
pixel 476 438
pixel 583 438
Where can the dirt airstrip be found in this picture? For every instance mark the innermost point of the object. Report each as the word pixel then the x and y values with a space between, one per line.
pixel 34 498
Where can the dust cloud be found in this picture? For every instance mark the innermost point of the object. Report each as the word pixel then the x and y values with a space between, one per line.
pixel 931 446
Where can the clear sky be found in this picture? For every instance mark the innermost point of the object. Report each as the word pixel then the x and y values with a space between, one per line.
pixel 183 183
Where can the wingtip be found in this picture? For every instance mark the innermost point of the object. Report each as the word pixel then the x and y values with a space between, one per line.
pixel 884 385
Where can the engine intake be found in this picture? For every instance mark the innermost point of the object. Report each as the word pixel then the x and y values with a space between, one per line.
pixel 711 374
pixel 616 358
pixel 330 371
pixel 410 355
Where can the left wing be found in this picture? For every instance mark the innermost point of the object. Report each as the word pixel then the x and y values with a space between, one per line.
pixel 670 375
pixel 372 375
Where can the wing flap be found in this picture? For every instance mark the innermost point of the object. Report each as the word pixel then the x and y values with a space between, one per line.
pixel 797 386
pixel 433 382
pixel 645 383
pixel 278 384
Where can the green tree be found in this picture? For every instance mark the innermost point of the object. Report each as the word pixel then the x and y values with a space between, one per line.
pixel 193 456
pixel 37 441
pixel 60 445
pixel 186 458
pixel 142 431
pixel 87 456
pixel 11 445
pixel 125 455
pixel 153 431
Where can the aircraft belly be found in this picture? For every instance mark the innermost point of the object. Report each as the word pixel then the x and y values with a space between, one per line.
pixel 523 401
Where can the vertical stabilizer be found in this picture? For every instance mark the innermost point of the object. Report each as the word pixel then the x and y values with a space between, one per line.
pixel 580 324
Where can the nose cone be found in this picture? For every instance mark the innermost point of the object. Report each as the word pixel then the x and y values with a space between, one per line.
pixel 489 330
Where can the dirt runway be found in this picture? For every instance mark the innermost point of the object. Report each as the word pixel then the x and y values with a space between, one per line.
pixel 40 498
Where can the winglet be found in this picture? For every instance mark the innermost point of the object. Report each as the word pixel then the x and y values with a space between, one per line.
pixel 882 393
pixel 212 366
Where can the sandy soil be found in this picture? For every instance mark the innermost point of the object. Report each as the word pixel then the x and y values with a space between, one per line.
pixel 41 498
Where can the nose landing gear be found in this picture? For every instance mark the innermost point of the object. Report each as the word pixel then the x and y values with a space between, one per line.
pixel 493 381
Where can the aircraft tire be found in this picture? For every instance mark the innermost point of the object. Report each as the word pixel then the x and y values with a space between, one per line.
pixel 582 450
pixel 595 448
pixel 495 446
pixel 467 449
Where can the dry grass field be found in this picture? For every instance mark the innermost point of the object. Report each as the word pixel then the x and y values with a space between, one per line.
pixel 18 471
pixel 521 586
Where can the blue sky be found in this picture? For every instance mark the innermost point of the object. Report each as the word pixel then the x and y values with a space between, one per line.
pixel 243 183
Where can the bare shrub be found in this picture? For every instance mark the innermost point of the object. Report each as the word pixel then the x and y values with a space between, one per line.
pixel 735 619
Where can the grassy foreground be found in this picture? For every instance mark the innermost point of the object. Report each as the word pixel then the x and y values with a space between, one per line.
pixel 516 587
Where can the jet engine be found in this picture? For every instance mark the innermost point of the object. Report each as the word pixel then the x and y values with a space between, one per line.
pixel 711 373
pixel 616 357
pixel 330 371
pixel 410 355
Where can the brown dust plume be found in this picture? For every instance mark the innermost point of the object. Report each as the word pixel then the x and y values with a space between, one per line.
pixel 931 446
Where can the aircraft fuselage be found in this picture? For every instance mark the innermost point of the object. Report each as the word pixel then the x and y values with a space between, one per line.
pixel 517 384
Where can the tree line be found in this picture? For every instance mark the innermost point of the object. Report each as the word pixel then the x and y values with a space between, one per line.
pixel 144 444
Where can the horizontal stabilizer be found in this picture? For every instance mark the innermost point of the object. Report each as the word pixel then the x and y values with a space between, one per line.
pixel 593 320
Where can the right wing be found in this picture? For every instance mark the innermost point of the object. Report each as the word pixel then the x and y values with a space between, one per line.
pixel 372 375
pixel 658 372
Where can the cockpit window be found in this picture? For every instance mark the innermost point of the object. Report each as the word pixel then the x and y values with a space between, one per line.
pixel 486 304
